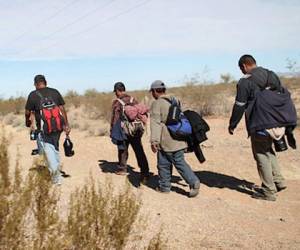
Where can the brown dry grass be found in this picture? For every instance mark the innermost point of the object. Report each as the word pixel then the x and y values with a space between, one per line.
pixel 94 106
pixel 12 105
pixel 98 217
pixel 207 99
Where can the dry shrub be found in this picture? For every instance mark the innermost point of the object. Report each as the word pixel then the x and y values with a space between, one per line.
pixel 84 126
pixel 157 242
pixel 12 105
pixel 44 207
pixel 97 105
pixel 9 119
pixel 14 120
pixel 18 122
pixel 98 216
pixel 75 124
pixel 15 203
pixel 291 83
pixel 101 129
pixel 4 164
pixel 72 98
pixel 99 219
pixel 206 99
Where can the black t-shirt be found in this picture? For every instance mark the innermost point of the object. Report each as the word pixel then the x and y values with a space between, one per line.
pixel 34 104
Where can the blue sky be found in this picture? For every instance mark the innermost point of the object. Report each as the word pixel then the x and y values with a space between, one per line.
pixel 93 43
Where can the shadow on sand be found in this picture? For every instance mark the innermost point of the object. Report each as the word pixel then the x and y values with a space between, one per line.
pixel 134 177
pixel 217 180
pixel 208 178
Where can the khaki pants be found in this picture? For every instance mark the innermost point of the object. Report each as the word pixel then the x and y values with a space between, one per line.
pixel 267 165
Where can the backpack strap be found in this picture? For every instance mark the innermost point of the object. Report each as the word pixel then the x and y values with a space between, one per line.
pixel 172 101
pixel 167 99
pixel 42 98
pixel 121 101
pixel 123 104
pixel 39 94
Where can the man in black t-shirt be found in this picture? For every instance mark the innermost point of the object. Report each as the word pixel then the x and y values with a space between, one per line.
pixel 48 143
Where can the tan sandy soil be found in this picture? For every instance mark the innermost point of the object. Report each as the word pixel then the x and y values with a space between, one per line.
pixel 223 216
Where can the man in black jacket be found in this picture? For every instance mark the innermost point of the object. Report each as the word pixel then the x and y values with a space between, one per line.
pixel 255 80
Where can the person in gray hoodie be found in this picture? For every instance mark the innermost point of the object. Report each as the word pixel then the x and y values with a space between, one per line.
pixel 255 80
pixel 169 151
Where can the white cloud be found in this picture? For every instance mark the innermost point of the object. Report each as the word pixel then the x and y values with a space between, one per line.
pixel 160 27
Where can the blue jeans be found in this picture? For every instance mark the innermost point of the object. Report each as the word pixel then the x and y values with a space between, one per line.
pixel 52 157
pixel 165 162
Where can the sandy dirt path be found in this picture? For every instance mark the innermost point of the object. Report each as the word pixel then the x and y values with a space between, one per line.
pixel 223 216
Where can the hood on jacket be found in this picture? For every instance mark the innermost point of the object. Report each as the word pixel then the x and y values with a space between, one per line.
pixel 264 78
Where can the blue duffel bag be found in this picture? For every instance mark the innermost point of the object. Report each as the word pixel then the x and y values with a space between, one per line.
pixel 181 130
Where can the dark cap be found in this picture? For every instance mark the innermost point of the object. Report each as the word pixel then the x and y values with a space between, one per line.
pixel 39 78
pixel 158 84
pixel 119 86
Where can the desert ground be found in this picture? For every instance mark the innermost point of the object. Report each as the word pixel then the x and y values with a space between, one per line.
pixel 223 216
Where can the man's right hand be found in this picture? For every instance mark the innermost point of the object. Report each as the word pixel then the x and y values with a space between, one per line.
pixel 32 127
pixel 230 130
pixel 67 130
pixel 28 123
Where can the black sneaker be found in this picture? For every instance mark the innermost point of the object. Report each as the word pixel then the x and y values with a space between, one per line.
pixel 263 196
pixel 144 178
pixel 258 189
pixel 194 190
pixel 280 187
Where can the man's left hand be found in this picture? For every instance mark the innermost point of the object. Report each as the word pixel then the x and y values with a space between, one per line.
pixel 154 148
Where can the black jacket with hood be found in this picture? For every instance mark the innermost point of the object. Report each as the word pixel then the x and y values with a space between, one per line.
pixel 266 102
pixel 199 128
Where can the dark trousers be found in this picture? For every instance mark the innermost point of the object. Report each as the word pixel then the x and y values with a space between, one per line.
pixel 136 144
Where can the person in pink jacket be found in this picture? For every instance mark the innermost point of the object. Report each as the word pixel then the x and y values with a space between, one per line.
pixel 134 141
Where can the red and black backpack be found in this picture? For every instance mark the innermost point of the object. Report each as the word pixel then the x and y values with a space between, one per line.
pixel 51 115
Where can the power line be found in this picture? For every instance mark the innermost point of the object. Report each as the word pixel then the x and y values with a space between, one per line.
pixel 98 24
pixel 113 17
pixel 16 39
pixel 79 19
pixel 86 15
